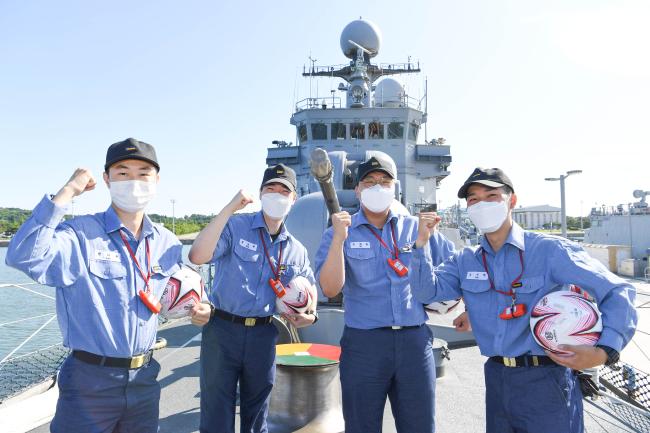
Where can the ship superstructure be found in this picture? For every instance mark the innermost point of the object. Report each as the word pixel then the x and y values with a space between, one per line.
pixel 624 225
pixel 374 114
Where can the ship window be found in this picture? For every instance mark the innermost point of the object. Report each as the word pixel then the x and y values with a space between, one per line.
pixel 396 130
pixel 318 131
pixel 375 130
pixel 338 131
pixel 413 131
pixel 358 130
pixel 302 132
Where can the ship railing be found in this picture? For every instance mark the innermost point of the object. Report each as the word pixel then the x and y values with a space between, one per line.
pixel 321 70
pixel 622 392
pixel 408 66
pixel 329 102
pixel 18 373
pixel 320 103
pixel 333 69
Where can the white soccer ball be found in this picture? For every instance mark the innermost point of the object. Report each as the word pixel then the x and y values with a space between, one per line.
pixel 299 295
pixel 565 317
pixel 443 307
pixel 184 289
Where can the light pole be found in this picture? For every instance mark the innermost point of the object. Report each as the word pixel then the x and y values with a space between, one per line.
pixel 562 196
pixel 173 215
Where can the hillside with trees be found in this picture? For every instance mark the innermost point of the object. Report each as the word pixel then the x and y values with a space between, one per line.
pixel 12 218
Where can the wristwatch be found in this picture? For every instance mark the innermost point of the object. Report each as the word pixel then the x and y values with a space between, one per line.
pixel 612 354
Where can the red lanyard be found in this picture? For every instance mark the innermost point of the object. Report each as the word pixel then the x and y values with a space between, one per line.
pixel 516 283
pixel 276 271
pixel 381 241
pixel 137 264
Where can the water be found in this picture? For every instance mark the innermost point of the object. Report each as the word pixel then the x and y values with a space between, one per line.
pixel 20 304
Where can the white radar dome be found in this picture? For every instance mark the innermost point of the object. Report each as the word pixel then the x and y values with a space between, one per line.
pixel 362 32
pixel 389 93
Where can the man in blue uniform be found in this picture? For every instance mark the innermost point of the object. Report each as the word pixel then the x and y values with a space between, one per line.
pixel 108 269
pixel 254 255
pixel 386 347
pixel 527 389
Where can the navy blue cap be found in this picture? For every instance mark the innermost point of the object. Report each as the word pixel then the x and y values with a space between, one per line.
pixel 376 163
pixel 280 174
pixel 492 177
pixel 130 149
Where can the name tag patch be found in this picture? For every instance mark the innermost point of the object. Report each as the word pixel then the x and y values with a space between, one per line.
pixel 248 245
pixel 108 256
pixel 357 245
pixel 477 276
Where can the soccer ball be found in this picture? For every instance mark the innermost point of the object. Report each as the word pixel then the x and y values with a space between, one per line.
pixel 298 297
pixel 579 290
pixel 443 307
pixel 184 289
pixel 565 317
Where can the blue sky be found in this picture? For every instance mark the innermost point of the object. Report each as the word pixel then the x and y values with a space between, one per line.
pixel 536 88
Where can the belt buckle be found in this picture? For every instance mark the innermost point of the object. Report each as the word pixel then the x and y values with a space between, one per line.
pixel 137 361
pixel 509 362
pixel 396 327
pixel 250 321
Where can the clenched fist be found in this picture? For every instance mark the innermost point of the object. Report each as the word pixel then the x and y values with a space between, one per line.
pixel 340 223
pixel 200 314
pixel 240 201
pixel 82 180
pixel 427 224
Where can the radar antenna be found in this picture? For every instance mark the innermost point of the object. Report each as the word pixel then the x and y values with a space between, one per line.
pixel 639 193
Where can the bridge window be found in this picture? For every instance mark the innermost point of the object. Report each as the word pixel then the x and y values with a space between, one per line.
pixel 413 131
pixel 358 130
pixel 302 132
pixel 338 131
pixel 396 130
pixel 375 130
pixel 318 131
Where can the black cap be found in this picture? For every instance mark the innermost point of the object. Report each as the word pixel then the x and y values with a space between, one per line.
pixel 374 163
pixel 492 177
pixel 130 149
pixel 280 174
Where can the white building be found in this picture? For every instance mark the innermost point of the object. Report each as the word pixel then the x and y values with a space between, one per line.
pixel 535 217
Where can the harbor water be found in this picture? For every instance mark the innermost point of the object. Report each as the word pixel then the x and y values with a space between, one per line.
pixel 24 308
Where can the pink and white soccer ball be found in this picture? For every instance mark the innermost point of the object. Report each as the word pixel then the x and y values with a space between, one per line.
pixel 565 317
pixel 184 289
pixel 299 295
pixel 443 307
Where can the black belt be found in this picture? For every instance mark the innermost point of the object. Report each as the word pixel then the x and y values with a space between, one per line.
pixel 246 321
pixel 107 361
pixel 399 328
pixel 523 361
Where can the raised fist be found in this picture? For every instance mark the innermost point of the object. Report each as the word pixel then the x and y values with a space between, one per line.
pixel 240 201
pixel 340 222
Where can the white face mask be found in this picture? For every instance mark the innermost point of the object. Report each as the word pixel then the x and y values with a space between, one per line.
pixel 276 205
pixel 377 198
pixel 132 195
pixel 488 216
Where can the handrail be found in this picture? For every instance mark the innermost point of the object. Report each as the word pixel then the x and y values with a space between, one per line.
pixel 21 286
pixel 25 341
pixel 25 319
pixel 33 334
